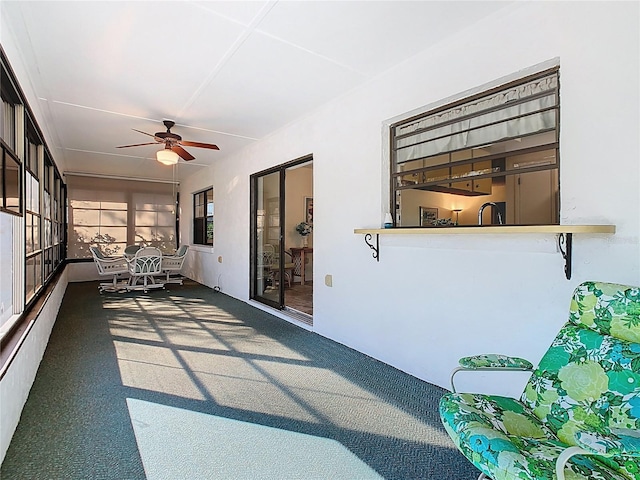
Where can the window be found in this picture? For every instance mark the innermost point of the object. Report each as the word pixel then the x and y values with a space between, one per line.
pixel 203 217
pixel 32 191
pixel 33 217
pixel 8 114
pixel 10 173
pixel 58 220
pixel 155 220
pixel 47 216
pixel 12 255
pixel 112 214
pixel 497 149
pixel 10 165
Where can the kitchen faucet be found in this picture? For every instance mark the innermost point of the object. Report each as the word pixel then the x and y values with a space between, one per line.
pixel 493 204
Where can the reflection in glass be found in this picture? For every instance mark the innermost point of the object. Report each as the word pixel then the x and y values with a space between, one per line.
pixel 268 236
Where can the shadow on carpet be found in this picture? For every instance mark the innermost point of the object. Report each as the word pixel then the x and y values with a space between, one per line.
pixel 188 383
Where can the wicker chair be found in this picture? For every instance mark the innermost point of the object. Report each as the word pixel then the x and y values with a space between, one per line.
pixel 131 250
pixel 143 267
pixel 272 259
pixel 172 264
pixel 113 267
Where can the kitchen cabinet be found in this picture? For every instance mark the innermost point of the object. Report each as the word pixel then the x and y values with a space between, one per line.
pixel 533 197
pixel 451 175
pixel 410 179
pixel 437 175
pixel 469 184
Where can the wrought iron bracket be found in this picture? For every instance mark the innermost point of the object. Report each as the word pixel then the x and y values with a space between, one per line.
pixel 376 248
pixel 564 235
pixel 565 245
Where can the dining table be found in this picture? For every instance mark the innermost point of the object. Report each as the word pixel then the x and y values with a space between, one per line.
pixel 301 255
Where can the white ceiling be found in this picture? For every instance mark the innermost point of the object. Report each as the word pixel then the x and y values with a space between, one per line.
pixel 227 72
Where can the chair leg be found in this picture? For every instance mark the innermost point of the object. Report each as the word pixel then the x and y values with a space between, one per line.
pixel 109 286
pixel 177 279
pixel 116 288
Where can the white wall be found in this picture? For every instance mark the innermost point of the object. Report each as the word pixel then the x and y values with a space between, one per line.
pixel 17 381
pixel 431 300
pixel 84 272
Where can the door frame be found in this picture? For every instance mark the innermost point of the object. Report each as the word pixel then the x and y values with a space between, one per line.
pixel 253 228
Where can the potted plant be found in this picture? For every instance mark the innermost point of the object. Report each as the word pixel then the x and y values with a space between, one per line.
pixel 304 229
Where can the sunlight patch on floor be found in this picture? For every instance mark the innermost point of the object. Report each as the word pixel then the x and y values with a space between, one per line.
pixel 180 444
pixel 154 368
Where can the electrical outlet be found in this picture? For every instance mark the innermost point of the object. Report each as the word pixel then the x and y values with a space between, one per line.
pixel 328 280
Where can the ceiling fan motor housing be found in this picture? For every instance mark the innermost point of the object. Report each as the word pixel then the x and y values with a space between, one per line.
pixel 164 136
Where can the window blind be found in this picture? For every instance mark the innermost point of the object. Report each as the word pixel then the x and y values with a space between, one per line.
pixel 113 213
pixel 516 111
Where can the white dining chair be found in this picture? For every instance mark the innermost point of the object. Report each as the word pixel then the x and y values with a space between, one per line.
pixel 143 267
pixel 113 267
pixel 172 264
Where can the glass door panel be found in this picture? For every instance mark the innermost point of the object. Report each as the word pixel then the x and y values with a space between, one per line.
pixel 281 198
pixel 266 240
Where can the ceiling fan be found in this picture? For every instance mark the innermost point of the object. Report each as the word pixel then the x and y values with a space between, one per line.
pixel 172 143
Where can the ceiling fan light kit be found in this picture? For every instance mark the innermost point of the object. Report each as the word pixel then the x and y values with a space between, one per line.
pixel 167 157
pixel 172 145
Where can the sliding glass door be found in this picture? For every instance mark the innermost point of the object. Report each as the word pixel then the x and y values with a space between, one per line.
pixel 281 258
pixel 267 220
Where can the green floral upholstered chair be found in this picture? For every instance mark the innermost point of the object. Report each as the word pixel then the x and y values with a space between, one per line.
pixel 579 416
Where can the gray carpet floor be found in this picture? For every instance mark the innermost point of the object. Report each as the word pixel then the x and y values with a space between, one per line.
pixel 190 383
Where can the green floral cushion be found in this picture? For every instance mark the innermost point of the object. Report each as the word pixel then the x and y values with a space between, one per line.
pixel 617 441
pixel 505 440
pixel 494 360
pixel 608 308
pixel 585 392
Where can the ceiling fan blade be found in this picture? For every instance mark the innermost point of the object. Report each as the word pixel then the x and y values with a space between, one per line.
pixel 182 152
pixel 198 144
pixel 144 133
pixel 137 145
